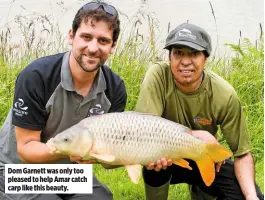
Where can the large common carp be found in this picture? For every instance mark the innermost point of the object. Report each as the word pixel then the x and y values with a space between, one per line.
pixel 133 139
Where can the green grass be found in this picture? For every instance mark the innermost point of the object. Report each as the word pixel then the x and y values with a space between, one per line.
pixel 119 183
pixel 244 72
pixel 7 80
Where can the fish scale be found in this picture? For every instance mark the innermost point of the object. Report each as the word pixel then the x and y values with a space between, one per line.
pixel 135 139
pixel 152 139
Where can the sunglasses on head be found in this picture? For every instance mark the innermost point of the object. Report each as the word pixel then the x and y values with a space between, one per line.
pixel 107 8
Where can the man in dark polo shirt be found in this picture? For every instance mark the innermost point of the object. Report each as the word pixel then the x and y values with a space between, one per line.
pixel 56 92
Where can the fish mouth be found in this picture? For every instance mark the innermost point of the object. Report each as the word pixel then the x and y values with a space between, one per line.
pixel 53 149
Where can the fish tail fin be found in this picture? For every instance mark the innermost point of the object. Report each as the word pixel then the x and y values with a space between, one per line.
pixel 217 152
pixel 207 169
pixel 213 153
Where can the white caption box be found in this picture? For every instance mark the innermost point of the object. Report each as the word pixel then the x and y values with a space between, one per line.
pixel 48 178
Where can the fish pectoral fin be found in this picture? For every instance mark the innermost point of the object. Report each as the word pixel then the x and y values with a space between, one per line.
pixel 207 169
pixel 107 158
pixel 134 172
pixel 183 163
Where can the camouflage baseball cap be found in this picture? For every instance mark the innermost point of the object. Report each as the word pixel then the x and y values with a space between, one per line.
pixel 191 36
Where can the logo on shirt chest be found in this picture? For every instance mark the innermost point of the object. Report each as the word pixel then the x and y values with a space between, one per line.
pixel 202 121
pixel 96 110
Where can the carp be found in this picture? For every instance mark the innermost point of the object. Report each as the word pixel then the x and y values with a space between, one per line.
pixel 134 139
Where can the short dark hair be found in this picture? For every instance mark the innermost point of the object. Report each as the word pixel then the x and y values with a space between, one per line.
pixel 97 15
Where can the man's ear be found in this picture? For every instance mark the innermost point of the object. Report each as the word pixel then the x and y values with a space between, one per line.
pixel 113 47
pixel 70 37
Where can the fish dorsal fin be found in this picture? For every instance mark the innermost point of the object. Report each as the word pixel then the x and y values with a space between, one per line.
pixel 141 113
pixel 138 113
pixel 183 163
pixel 107 158
pixel 134 172
pixel 207 169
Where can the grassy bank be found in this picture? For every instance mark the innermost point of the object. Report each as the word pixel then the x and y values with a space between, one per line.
pixel 244 72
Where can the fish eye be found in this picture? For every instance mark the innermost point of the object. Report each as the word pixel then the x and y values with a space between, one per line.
pixel 65 139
